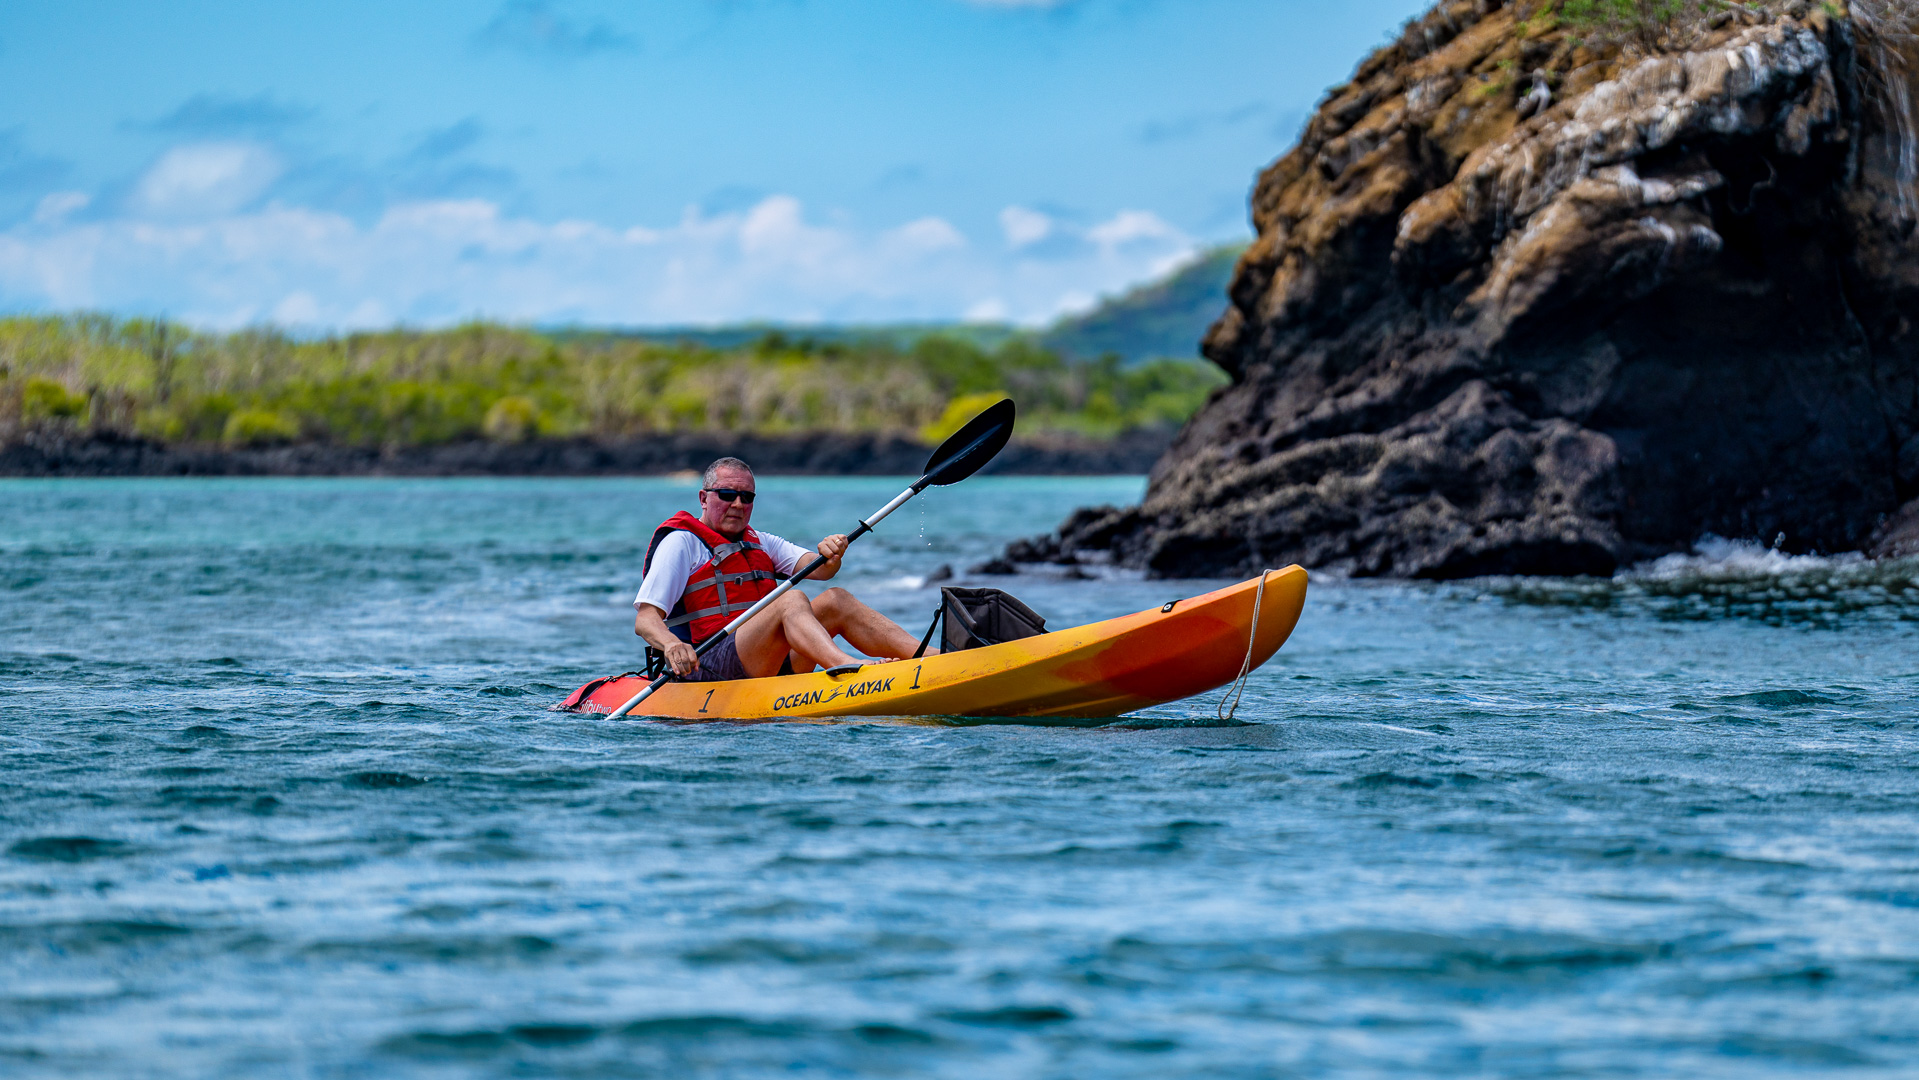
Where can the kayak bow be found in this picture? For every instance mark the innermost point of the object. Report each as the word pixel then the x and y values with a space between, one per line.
pixel 1099 670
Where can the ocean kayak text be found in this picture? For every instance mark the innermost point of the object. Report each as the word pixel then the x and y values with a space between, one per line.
pixel 815 697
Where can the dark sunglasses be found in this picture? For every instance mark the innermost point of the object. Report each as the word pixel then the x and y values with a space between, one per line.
pixel 730 494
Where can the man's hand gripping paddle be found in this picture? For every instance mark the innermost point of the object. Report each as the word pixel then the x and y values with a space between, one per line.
pixel 956 459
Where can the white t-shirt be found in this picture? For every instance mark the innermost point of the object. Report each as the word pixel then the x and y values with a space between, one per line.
pixel 681 553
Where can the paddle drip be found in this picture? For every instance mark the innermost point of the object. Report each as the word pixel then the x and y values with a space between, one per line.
pixel 1238 687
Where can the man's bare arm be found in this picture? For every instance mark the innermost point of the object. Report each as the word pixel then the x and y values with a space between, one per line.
pixel 832 549
pixel 650 623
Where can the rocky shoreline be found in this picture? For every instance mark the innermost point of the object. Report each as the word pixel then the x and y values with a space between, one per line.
pixel 54 454
pixel 1524 302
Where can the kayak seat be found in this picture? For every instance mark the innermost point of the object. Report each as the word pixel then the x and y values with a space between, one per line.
pixel 976 618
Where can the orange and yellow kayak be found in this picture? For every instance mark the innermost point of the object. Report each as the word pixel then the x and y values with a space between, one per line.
pixel 1103 669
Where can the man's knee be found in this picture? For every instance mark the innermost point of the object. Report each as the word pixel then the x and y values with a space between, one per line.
pixel 835 604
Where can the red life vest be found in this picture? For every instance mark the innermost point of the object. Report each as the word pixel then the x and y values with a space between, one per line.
pixel 737 575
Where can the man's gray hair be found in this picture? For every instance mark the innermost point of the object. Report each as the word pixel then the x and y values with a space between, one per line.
pixel 713 471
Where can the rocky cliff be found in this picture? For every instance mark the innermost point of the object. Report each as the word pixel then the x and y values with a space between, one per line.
pixel 1528 299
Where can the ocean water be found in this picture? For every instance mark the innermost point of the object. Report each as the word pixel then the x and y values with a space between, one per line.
pixel 282 797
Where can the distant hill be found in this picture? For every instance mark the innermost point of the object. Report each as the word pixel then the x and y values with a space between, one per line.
pixel 1164 318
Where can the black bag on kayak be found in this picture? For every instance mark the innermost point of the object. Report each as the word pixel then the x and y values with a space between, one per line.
pixel 980 617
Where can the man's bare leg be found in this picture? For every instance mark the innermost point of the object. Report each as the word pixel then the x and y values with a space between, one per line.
pixel 863 628
pixel 789 626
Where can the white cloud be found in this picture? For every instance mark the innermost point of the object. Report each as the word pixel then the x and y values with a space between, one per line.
pixel 928 234
pixel 776 231
pixel 991 309
pixel 55 207
pixel 297 309
pixel 439 261
pixel 533 27
pixel 1131 227
pixel 1076 302
pixel 1023 226
pixel 206 179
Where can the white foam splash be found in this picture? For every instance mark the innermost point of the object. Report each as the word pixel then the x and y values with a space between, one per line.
pixel 1718 558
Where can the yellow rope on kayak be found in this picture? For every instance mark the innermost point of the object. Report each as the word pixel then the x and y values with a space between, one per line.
pixel 1238 686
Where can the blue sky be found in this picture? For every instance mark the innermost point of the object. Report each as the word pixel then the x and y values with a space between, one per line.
pixel 654 162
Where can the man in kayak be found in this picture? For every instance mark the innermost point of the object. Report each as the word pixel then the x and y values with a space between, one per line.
pixel 701 572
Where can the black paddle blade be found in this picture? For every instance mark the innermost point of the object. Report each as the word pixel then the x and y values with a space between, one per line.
pixel 970 447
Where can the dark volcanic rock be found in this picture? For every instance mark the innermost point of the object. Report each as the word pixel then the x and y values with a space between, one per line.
pixel 1473 337
pixel 57 453
pixel 1899 537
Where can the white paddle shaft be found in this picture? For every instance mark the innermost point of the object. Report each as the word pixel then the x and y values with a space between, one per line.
pixel 898 501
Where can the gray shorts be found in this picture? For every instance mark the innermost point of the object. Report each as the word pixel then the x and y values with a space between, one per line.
pixel 723 664
pixel 720 665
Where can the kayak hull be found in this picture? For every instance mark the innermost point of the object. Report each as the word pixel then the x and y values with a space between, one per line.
pixel 1103 669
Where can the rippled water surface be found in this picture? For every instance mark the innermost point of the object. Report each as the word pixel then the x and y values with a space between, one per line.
pixel 282 797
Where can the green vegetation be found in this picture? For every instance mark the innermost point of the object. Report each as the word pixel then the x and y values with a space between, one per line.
pixel 1885 32
pixel 260 387
pixel 1502 80
pixel 1652 25
pixel 1645 23
pixel 1164 318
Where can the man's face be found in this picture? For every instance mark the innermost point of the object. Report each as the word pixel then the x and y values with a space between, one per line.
pixel 722 516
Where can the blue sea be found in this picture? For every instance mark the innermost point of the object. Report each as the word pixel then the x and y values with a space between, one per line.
pixel 283 797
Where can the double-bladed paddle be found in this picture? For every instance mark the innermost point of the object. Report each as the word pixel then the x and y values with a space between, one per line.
pixel 959 457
